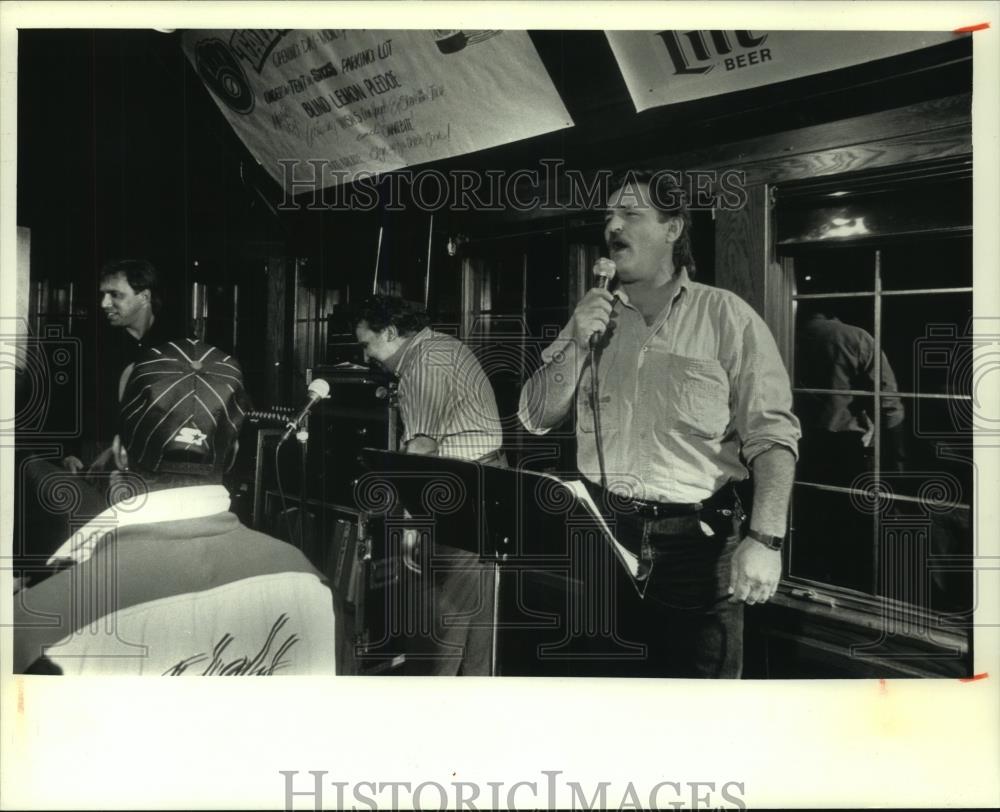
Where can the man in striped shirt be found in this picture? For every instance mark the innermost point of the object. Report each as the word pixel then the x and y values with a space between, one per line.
pixel 448 409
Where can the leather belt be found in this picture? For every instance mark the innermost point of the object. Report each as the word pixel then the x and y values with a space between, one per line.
pixel 724 502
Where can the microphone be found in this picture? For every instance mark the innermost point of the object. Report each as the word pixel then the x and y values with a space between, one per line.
pixel 604 272
pixel 317 390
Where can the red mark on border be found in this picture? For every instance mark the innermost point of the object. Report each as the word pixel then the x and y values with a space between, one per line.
pixel 883 688
pixel 974 677
pixel 968 29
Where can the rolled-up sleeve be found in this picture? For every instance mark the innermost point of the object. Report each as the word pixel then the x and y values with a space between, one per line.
pixel 763 395
pixel 534 391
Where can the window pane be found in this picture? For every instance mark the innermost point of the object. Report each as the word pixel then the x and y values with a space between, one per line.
pixel 446 283
pixel 929 263
pixel 499 277
pixel 835 270
pixel 220 301
pixel 924 556
pixel 832 539
pixel 835 447
pixel 930 449
pixel 548 270
pixel 923 337
pixel 833 342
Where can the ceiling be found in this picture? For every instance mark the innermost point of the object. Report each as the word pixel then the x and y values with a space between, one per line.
pixel 122 151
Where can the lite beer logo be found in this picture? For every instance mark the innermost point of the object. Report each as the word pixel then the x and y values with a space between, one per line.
pixel 699 52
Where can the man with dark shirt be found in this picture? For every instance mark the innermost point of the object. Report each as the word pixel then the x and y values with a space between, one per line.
pixel 130 300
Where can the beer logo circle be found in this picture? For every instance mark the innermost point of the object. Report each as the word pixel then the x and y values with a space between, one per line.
pixel 224 76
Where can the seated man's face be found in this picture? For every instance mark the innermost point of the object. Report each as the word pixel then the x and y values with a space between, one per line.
pixel 122 305
pixel 378 346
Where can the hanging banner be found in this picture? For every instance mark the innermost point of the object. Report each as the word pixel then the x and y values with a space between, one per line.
pixel 666 67
pixel 370 101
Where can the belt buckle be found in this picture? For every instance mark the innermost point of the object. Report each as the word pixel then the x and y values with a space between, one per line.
pixel 648 510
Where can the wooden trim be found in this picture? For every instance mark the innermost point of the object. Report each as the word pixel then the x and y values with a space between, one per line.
pixel 919 146
pixel 741 249
pixel 950 113
pixel 940 128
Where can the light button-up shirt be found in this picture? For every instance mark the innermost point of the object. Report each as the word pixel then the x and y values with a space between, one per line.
pixel 686 403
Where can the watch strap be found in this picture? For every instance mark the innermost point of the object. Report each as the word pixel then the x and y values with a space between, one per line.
pixel 771 542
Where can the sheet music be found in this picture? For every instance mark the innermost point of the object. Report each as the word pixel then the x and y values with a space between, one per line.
pixel 627 558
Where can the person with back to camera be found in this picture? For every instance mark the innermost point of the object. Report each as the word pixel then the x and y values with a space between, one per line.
pixel 167 581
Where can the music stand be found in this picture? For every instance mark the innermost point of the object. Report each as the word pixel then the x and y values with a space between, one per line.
pixel 503 515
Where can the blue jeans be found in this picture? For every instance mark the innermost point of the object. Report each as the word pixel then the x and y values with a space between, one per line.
pixel 688 625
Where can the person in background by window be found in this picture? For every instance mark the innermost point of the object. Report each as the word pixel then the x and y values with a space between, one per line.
pixel 692 394
pixel 838 431
pixel 448 409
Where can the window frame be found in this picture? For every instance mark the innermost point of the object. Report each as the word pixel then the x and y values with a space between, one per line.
pixel 888 615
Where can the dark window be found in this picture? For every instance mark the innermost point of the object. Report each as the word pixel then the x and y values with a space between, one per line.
pixel 881 373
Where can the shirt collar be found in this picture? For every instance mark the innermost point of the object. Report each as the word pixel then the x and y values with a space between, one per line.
pixel 168 505
pixel 680 281
pixel 406 353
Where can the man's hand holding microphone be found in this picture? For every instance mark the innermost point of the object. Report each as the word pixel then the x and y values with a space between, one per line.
pixel 548 396
pixel 593 313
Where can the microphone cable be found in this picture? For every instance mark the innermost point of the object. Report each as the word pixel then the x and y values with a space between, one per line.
pixel 284 500
pixel 595 407
pixel 604 270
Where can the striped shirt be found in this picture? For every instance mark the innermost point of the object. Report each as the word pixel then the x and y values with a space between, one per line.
pixel 685 404
pixel 444 394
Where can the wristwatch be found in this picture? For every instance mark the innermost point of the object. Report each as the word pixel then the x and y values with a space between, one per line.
pixel 771 542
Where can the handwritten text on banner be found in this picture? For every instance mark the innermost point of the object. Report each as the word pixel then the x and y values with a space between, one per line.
pixel 365 101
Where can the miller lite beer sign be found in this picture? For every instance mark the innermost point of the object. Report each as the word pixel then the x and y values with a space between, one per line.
pixel 666 67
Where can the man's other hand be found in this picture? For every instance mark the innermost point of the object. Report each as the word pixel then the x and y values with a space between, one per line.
pixel 422 444
pixel 72 464
pixel 756 572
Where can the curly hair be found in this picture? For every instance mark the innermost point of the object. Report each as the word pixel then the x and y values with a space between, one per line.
pixel 381 311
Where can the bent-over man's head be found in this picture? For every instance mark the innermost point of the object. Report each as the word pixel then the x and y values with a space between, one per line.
pixel 383 325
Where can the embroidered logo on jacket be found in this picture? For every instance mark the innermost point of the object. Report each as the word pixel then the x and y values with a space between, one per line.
pixel 263 663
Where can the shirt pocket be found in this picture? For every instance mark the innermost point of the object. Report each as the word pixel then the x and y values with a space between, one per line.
pixel 585 409
pixel 693 393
